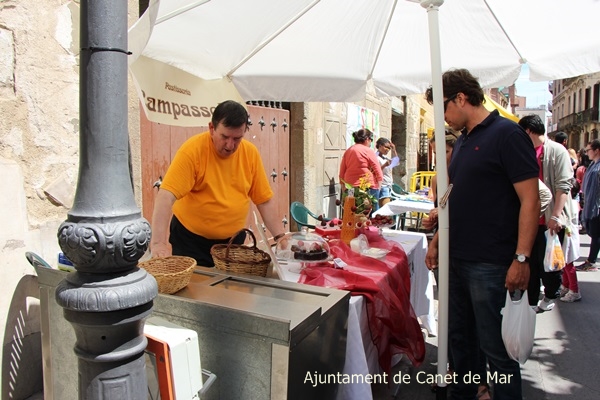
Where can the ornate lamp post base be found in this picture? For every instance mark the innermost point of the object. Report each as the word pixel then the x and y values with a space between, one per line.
pixel 110 341
pixel 109 297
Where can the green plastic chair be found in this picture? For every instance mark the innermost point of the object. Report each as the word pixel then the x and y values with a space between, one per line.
pixel 300 214
pixel 36 261
pixel 397 190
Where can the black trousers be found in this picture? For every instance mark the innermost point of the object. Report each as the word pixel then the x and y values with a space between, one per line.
pixel 551 280
pixel 186 243
pixel 593 230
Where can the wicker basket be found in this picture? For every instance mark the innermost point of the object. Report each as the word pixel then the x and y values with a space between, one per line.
pixel 172 273
pixel 239 258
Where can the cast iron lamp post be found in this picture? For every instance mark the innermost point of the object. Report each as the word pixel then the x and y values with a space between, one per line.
pixel 107 299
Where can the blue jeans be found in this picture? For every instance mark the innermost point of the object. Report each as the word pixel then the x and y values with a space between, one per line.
pixel 593 229
pixel 385 192
pixel 375 192
pixel 477 294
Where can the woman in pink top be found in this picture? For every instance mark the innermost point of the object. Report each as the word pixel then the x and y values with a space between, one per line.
pixel 359 161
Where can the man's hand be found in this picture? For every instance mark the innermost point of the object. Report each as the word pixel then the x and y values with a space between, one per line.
pixel 554 225
pixel 431 220
pixel 432 257
pixel 160 250
pixel 517 276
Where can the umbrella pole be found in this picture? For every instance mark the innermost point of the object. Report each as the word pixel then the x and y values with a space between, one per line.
pixel 432 7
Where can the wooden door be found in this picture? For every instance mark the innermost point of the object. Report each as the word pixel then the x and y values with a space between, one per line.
pixel 160 143
pixel 270 135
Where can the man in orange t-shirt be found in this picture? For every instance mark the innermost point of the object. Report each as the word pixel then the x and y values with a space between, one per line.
pixel 206 193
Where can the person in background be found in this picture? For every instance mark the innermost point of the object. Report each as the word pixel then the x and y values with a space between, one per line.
pixel 556 172
pixel 573 156
pixel 562 138
pixel 384 147
pixel 591 207
pixel 583 161
pixel 204 198
pixel 360 161
pixel 576 187
pixel 430 222
pixel 493 209
pixel 582 164
pixel 569 290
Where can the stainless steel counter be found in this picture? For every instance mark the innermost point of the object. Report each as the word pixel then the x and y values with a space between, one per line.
pixel 260 336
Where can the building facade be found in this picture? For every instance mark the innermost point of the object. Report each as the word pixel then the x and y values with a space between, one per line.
pixel 575 108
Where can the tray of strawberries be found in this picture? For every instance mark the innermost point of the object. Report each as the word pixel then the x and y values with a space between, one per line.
pixel 330 229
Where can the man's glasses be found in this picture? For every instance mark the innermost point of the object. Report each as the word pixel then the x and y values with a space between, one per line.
pixel 448 100
pixel 586 150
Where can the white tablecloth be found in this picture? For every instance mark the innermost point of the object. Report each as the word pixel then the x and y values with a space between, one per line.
pixel 421 279
pixel 361 353
pixel 396 207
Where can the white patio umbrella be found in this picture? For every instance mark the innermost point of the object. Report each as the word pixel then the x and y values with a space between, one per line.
pixel 332 50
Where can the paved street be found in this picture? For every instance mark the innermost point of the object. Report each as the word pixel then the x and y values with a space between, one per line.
pixel 564 362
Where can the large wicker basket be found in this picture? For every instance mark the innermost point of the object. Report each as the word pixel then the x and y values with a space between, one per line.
pixel 239 258
pixel 172 273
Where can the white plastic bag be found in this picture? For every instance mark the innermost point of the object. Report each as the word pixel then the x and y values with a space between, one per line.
pixel 570 246
pixel 554 259
pixel 518 328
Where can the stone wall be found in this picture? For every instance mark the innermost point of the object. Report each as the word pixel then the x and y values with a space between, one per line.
pixel 39 132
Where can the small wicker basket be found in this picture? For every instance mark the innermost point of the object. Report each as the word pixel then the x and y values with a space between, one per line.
pixel 172 273
pixel 239 258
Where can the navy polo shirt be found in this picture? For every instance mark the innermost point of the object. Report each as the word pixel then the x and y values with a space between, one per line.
pixel 484 206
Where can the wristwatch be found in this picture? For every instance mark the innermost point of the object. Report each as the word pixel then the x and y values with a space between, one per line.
pixel 521 258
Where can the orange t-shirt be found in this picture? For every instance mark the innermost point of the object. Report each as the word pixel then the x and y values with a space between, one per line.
pixel 213 193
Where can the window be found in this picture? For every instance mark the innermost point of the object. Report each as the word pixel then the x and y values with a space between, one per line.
pixel 588 92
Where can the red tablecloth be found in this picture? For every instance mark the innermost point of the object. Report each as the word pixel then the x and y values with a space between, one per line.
pixel 386 286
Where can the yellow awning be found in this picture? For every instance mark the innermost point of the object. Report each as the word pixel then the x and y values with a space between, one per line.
pixel 491 105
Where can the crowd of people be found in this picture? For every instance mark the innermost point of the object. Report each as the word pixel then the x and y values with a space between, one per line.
pixel 513 190
pixel 498 226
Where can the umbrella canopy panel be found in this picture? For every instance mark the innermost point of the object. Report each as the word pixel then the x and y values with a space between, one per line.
pixel 327 50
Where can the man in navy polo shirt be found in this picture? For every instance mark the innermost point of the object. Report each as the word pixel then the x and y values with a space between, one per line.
pixel 494 208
